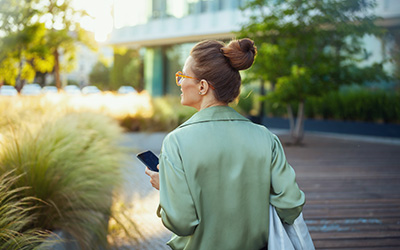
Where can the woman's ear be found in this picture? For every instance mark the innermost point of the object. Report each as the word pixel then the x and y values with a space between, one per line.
pixel 203 87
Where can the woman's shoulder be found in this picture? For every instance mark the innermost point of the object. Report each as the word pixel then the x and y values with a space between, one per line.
pixel 177 133
pixel 262 129
pixel 186 131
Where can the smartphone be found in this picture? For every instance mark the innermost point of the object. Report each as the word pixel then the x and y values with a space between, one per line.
pixel 149 159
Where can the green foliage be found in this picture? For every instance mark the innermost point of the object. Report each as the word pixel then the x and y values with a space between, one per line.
pixel 23 51
pixel 168 114
pixel 70 164
pixel 132 73
pixel 71 82
pixel 100 75
pixel 321 38
pixel 309 47
pixel 35 33
pixel 356 104
pixel 15 216
pixel 8 71
pixel 246 101
pixel 64 21
pixel 292 86
pixel 126 69
pixel 353 103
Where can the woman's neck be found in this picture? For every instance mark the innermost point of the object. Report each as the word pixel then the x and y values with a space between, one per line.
pixel 211 103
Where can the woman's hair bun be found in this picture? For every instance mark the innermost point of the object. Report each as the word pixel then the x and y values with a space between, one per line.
pixel 240 53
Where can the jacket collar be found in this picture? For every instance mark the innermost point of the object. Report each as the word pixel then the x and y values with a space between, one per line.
pixel 215 113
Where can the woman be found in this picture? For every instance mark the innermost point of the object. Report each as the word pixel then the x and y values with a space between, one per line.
pixel 219 171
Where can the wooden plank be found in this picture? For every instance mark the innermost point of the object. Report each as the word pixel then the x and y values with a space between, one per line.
pixel 353 213
pixel 362 248
pixel 352 192
pixel 377 235
pixel 358 202
pixel 338 243
pixel 349 224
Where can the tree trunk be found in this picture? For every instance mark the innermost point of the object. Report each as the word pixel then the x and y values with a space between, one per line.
pixel 18 82
pixel 57 68
pixel 296 125
pixel 291 118
pixel 262 103
pixel 298 132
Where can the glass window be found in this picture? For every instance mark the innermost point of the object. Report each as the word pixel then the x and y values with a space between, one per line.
pixel 221 4
pixel 193 6
pixel 238 3
pixel 158 9
pixel 182 8
pixel 243 2
pixel 130 13
pixel 177 8
pixel 204 6
pixel 386 5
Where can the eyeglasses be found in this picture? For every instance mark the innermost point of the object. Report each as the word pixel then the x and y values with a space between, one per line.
pixel 179 76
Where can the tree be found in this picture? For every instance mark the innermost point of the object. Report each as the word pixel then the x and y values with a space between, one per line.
pixel 100 75
pixel 132 73
pixel 308 47
pixel 35 34
pixel 23 50
pixel 64 32
pixel 127 68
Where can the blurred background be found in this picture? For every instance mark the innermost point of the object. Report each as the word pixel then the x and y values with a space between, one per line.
pixel 320 57
pixel 77 76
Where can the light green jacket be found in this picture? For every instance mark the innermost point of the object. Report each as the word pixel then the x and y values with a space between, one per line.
pixel 218 174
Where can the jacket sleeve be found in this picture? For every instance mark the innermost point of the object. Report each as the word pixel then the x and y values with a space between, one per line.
pixel 178 211
pixel 285 196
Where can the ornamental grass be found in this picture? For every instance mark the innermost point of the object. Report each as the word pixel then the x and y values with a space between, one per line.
pixel 68 163
pixel 16 216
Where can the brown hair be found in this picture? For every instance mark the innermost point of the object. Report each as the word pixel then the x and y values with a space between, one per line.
pixel 220 64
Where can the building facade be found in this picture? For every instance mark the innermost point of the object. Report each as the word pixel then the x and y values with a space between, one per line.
pixel 166 30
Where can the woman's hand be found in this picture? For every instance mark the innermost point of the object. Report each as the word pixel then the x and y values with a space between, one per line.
pixel 154 178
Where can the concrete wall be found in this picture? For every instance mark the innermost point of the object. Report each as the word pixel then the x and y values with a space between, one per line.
pixel 213 25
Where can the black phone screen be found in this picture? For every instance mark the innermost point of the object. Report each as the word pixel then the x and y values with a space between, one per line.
pixel 149 159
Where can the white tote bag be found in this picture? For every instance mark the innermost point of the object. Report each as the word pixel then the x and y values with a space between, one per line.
pixel 288 237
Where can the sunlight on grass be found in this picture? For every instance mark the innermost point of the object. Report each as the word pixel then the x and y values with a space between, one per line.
pixel 72 163
pixel 67 150
pixel 116 106
pixel 108 103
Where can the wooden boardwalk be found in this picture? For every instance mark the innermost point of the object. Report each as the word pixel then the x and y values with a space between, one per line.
pixel 352 190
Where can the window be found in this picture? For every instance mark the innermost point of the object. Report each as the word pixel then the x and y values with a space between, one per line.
pixel 221 5
pixel 192 6
pixel 204 6
pixel 158 9
pixel 177 8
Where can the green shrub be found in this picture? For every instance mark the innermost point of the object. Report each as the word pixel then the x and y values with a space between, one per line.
pixel 276 109
pixel 356 104
pixel 246 102
pixel 168 113
pixel 71 163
